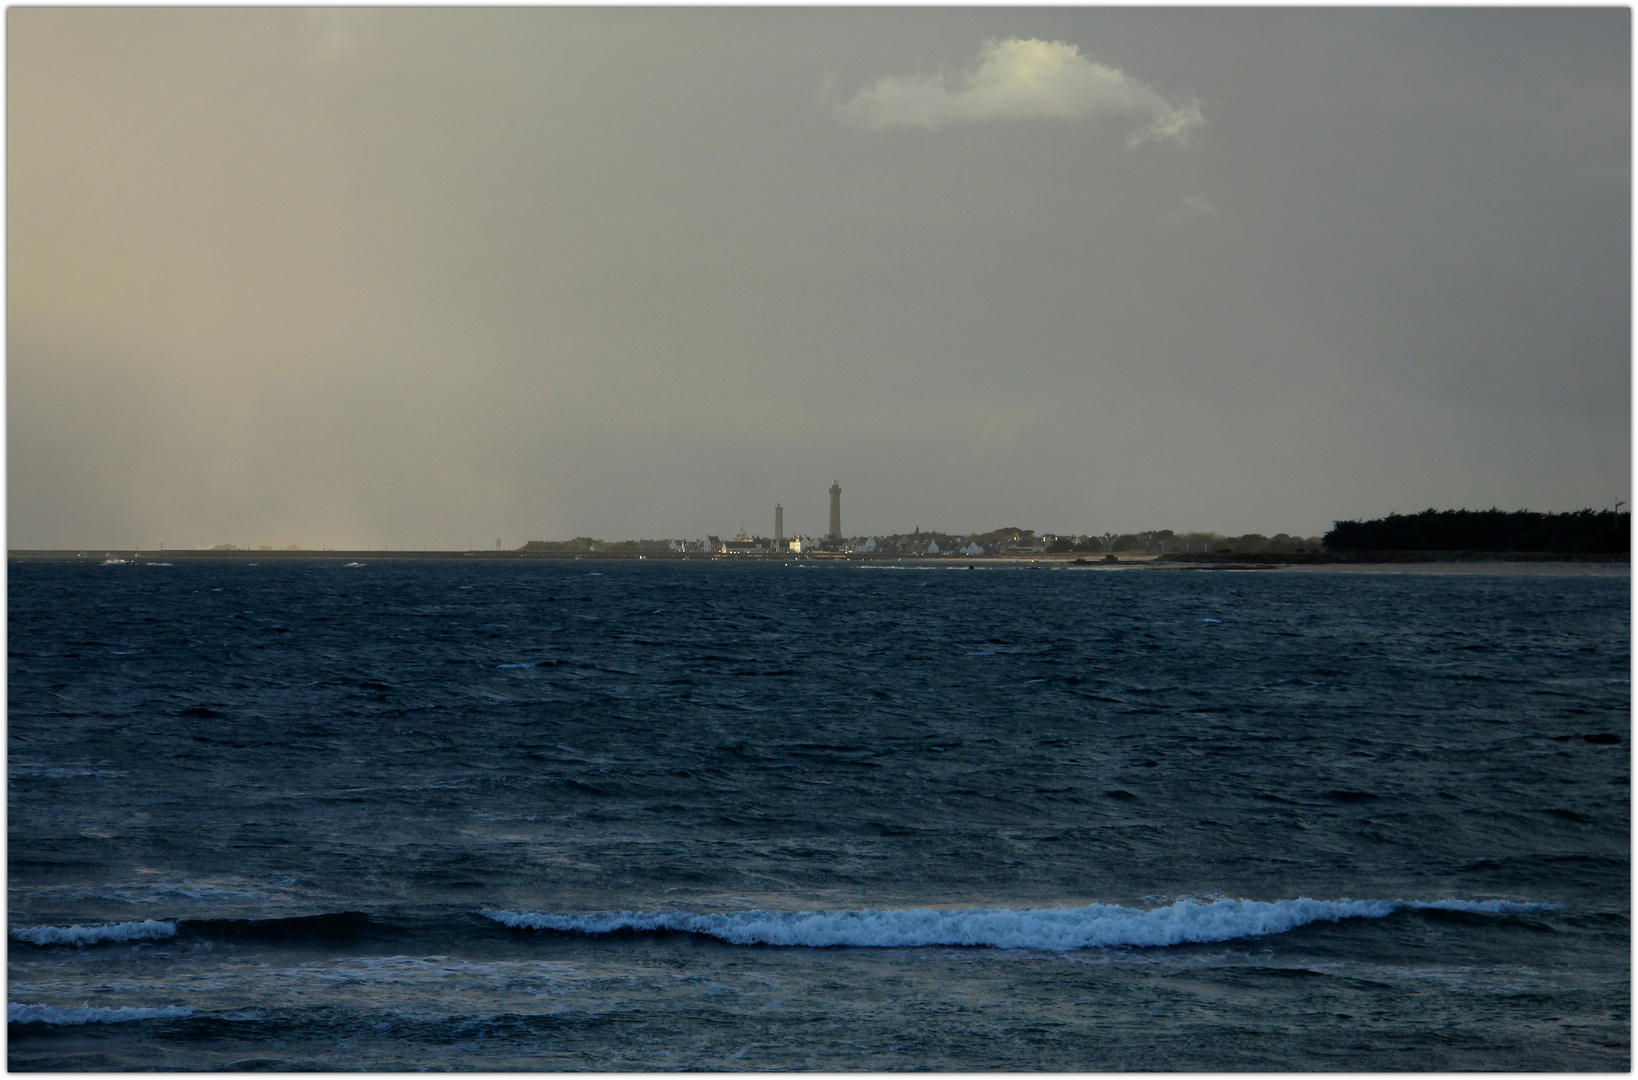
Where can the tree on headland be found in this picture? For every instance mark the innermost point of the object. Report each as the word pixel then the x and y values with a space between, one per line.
pixel 1584 532
pixel 579 543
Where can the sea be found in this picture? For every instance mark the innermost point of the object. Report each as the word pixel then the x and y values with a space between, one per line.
pixel 611 815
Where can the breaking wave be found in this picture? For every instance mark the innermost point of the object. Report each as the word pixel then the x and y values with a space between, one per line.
pixel 339 926
pixel 147 930
pixel 81 1014
pixel 1053 929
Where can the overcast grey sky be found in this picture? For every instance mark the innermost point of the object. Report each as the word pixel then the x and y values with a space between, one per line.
pixel 437 276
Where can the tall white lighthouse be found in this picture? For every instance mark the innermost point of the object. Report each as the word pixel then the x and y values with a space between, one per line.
pixel 835 510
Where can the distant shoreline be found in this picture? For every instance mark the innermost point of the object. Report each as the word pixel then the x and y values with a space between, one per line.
pixel 1381 561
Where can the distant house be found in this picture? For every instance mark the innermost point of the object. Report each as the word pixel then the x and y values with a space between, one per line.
pixel 972 549
pixel 932 548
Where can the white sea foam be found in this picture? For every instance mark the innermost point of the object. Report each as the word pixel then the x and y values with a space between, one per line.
pixel 147 930
pixel 1053 929
pixel 80 1014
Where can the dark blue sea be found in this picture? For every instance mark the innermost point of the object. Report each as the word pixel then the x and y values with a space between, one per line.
pixel 604 815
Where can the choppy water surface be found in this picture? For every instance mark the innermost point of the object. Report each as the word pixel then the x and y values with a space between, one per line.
pixel 632 816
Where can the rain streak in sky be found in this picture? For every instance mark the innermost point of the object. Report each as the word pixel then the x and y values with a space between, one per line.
pixel 429 277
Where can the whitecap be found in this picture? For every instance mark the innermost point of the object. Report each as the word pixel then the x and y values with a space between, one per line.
pixel 1050 929
pixel 147 930
pixel 81 1014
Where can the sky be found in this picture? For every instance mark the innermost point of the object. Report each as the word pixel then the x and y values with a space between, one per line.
pixel 437 277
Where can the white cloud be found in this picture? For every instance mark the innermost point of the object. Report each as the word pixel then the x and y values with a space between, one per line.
pixel 1015 79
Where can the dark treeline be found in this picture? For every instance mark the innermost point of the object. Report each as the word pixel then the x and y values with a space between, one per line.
pixel 1583 532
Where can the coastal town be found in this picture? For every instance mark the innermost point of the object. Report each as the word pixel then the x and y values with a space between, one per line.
pixel 1009 541
pixel 1005 541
